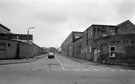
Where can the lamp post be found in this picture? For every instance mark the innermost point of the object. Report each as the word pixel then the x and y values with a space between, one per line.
pixel 28 41
pixel 28 32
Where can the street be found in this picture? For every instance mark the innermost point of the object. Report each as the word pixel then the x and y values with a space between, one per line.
pixel 62 70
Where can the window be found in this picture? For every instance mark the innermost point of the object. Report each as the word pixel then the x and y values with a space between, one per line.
pixel 112 51
pixel 8 44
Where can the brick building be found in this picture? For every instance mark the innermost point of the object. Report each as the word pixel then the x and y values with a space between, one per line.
pixel 14 46
pixel 68 44
pixel 105 43
pixel 118 47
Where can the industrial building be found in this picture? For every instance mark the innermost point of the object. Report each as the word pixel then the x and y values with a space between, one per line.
pixel 15 46
pixel 105 44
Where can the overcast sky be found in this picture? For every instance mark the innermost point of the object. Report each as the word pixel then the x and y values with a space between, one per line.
pixel 54 20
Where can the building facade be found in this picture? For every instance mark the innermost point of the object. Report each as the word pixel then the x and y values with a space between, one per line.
pixel 68 45
pixel 106 43
pixel 15 46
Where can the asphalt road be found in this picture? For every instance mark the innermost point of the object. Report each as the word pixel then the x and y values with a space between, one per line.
pixel 62 70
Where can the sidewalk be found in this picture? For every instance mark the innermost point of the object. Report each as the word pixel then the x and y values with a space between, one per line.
pixel 87 62
pixel 17 61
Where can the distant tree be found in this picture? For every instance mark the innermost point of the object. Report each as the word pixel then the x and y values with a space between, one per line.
pixel 52 49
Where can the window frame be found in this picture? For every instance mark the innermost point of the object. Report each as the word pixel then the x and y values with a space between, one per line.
pixel 112 51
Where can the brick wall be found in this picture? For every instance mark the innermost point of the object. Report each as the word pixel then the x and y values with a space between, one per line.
pixel 7 49
pixel 126 28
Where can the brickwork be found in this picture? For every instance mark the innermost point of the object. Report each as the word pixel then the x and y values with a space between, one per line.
pixel 123 45
pixel 7 49
pixel 68 44
pixel 97 41
pixel 126 28
pixel 11 49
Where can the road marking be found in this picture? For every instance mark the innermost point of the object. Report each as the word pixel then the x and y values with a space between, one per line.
pixel 60 63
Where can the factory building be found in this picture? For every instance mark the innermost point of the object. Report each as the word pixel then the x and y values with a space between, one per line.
pixel 15 46
pixel 105 43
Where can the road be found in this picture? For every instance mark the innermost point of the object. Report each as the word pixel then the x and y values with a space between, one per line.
pixel 63 70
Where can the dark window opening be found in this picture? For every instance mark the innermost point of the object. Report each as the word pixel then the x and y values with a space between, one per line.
pixel 8 44
pixel 112 48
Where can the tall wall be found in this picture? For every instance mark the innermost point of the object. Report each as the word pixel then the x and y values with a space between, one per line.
pixel 68 44
pixel 126 27
pixel 125 47
pixel 8 49
pixel 87 47
pixel 11 49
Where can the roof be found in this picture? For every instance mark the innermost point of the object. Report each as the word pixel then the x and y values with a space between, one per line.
pixel 103 25
pixel 14 34
pixel 4 27
pixel 124 23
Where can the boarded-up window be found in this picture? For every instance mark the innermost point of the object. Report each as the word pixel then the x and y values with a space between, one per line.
pixel 2 46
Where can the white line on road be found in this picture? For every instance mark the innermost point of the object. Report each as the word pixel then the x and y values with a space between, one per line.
pixel 60 63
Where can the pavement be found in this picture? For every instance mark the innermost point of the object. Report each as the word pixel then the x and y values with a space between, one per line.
pixel 87 62
pixel 17 61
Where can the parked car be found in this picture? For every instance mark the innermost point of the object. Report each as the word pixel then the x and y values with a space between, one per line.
pixel 51 55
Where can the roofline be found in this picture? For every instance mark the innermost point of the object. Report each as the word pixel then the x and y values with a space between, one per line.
pixel 14 34
pixel 103 25
pixel 76 32
pixel 4 27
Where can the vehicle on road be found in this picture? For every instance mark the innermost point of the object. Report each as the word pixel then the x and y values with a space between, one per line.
pixel 51 55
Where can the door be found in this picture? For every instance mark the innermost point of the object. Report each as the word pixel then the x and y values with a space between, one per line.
pixel 95 55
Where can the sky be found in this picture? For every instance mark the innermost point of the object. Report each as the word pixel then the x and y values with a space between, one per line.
pixel 54 20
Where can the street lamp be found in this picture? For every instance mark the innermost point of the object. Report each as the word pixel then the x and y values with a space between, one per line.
pixel 28 41
pixel 28 32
